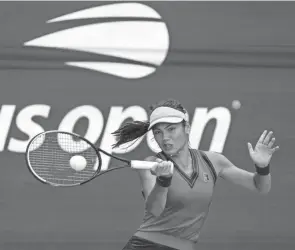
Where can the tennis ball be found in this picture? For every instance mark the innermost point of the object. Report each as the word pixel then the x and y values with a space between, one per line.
pixel 236 104
pixel 78 162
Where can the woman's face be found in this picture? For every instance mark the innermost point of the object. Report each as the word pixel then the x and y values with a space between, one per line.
pixel 171 137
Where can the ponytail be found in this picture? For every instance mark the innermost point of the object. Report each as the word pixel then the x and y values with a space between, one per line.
pixel 130 131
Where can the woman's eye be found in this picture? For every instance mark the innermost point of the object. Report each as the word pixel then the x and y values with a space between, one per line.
pixel 171 128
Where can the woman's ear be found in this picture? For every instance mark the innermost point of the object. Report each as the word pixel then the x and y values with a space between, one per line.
pixel 187 128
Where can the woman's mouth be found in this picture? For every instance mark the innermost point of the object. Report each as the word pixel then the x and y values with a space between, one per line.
pixel 168 146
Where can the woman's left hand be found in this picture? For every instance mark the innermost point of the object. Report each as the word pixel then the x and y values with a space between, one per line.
pixel 263 151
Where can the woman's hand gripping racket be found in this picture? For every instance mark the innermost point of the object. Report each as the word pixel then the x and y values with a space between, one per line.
pixel 66 159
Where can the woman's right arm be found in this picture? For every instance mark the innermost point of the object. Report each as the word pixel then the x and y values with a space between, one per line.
pixel 154 192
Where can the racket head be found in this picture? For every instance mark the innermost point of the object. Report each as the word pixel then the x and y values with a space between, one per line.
pixel 48 156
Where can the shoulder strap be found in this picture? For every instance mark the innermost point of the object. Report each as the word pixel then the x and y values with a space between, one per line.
pixel 161 155
pixel 210 165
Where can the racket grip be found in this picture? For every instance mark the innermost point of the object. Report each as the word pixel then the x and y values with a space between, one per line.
pixel 143 164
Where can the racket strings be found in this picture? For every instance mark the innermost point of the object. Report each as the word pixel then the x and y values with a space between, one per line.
pixel 49 156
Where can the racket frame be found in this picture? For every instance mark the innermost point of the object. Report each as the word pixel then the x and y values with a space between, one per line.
pixel 68 133
pixel 98 172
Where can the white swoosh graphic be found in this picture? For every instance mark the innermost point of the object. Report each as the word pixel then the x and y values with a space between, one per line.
pixel 141 41
pixel 137 40
pixel 111 10
pixel 131 71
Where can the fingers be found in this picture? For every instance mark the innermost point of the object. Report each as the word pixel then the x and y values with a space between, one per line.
pixel 275 149
pixel 271 143
pixel 158 160
pixel 261 139
pixel 250 147
pixel 267 138
pixel 164 168
pixel 153 169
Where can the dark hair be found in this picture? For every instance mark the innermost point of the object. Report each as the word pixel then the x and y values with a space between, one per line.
pixel 134 130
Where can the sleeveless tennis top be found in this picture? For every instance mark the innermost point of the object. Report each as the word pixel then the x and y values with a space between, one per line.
pixel 188 201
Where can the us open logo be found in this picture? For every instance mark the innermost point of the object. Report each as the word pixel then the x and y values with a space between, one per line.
pixel 132 36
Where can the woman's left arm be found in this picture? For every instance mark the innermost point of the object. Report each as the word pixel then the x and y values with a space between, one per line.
pixel 261 155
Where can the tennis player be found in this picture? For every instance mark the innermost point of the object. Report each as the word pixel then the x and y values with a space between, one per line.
pixel 178 191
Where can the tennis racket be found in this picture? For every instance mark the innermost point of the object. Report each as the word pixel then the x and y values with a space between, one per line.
pixel 64 159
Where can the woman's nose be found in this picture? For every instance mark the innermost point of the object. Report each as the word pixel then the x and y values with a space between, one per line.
pixel 166 137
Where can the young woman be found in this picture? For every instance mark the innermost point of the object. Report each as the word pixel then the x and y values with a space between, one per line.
pixel 178 191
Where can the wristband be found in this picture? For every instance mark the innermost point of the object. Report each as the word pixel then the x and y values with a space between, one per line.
pixel 262 171
pixel 164 181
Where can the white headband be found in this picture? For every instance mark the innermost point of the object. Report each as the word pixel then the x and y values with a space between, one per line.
pixel 168 115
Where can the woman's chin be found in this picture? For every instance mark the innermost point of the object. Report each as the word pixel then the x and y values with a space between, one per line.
pixel 170 152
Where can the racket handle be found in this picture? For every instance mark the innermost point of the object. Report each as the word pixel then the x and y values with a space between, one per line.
pixel 143 164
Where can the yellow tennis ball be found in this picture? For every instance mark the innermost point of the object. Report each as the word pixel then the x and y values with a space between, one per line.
pixel 78 162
